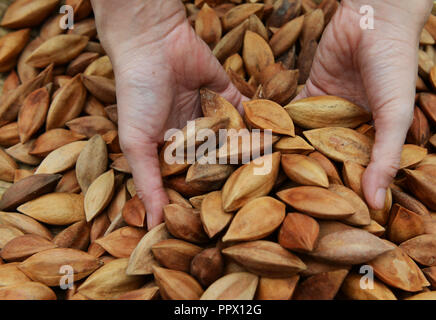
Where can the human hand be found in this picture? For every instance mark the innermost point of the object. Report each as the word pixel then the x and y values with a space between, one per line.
pixel 376 69
pixel 159 65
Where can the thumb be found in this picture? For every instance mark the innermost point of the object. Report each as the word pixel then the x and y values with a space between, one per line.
pixel 391 129
pixel 142 156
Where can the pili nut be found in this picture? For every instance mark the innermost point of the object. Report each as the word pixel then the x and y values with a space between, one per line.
pixel 261 174
pixel 177 198
pixel 351 246
pixel 298 232
pixel 11 82
pixel 238 145
pixel 7 234
pixel 110 281
pixel 150 293
pixel 290 145
pixel 20 153
pixel 265 258
pixel 10 105
pixel 276 289
pixel 231 43
pixel 177 285
pixel 313 26
pixel 208 25
pixel 67 104
pixel 27 291
pixel 175 254
pixel 256 25
pixel 134 212
pixel 142 260
pixel 92 162
pixel 238 14
pixel 55 208
pixel 246 88
pixel 421 249
pixel 27 13
pixel 419 131
pixel 20 174
pixel 24 246
pixel 403 224
pixel 44 266
pixel 341 144
pixel 396 269
pixel 352 174
pixel 375 228
pixel 286 36
pixel 101 67
pixel 61 159
pixel 7 167
pixel 52 140
pixel 411 155
pixel 184 223
pixel 121 242
pixel 256 220
pixel 94 107
pixel 282 87
pixel 207 176
pixel 207 266
pixel 317 202
pixel 352 289
pixel 121 165
pixel 422 185
pixel 196 204
pixel 76 236
pixel 11 275
pixel 257 53
pixel 11 45
pixel 24 223
pixel 266 114
pixel 283 11
pixel 326 111
pixel 27 189
pixel 33 113
pixel 213 104
pixel 100 87
pixel 53 50
pixel 328 166
pixel 234 286
pixel 68 183
pixel 322 286
pixel 180 165
pixel 361 217
pixel 99 194
pixel 430 274
pixel 304 170
pixel 9 135
pixel 212 214
pixel 89 126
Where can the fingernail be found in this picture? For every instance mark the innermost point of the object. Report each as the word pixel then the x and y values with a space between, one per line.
pixel 380 196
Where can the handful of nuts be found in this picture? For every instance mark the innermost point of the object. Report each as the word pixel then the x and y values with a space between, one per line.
pixel 302 230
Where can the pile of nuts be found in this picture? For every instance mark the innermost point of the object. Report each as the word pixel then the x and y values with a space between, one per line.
pixel 72 226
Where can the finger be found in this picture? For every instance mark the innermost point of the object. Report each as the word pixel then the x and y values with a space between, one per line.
pixel 391 132
pixel 144 162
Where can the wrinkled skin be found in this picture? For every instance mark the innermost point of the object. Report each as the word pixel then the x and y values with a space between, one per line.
pixel 160 64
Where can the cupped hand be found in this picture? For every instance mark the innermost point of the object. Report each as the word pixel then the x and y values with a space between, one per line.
pixel 376 69
pixel 160 64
